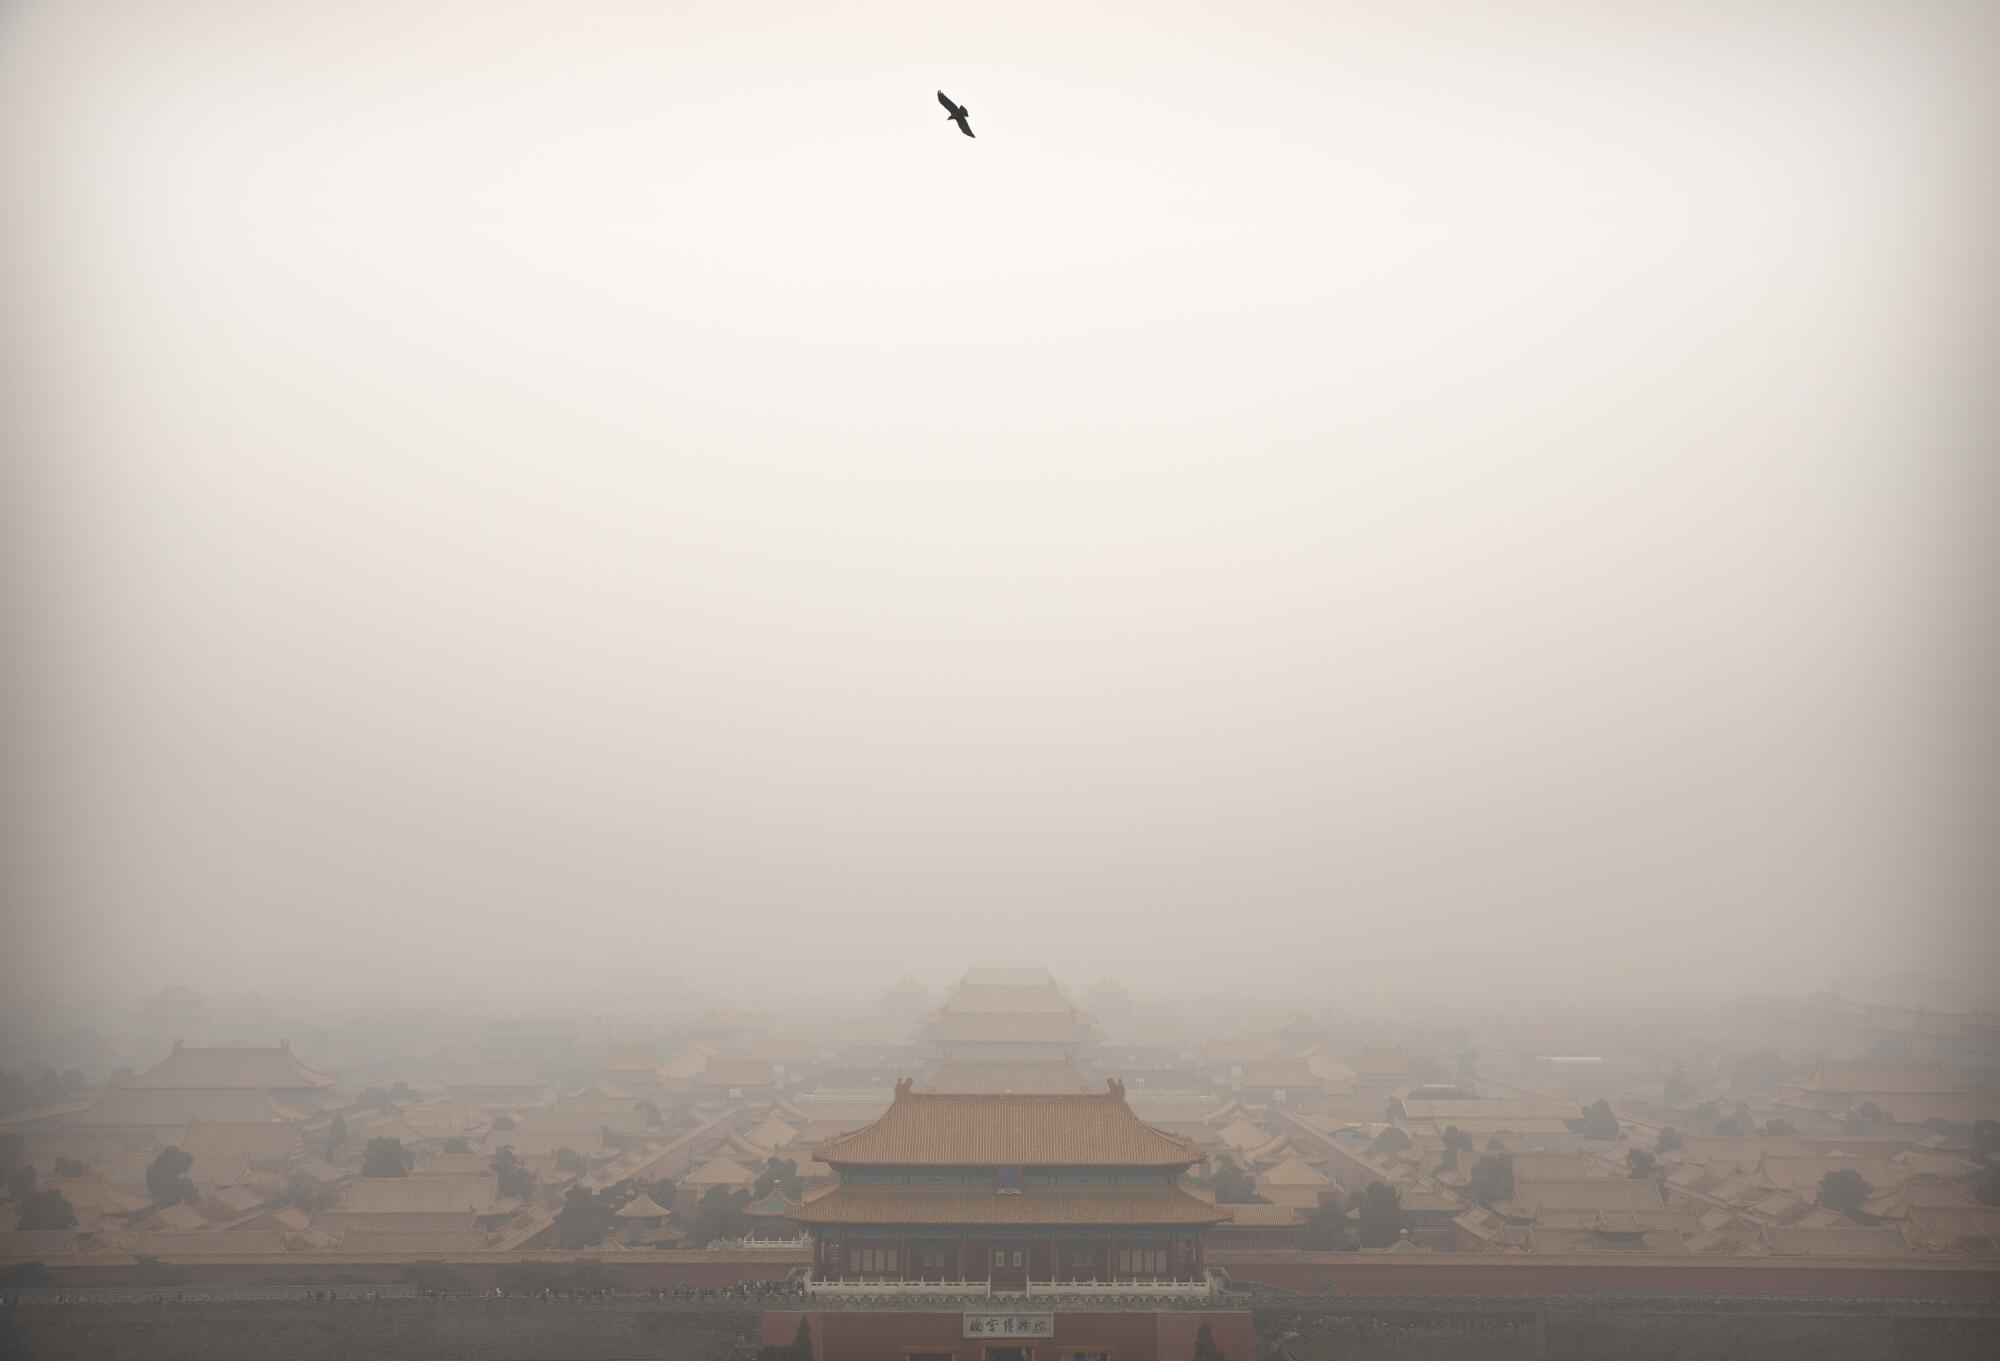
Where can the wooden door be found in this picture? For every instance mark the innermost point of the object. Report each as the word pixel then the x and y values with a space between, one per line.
pixel 1010 1267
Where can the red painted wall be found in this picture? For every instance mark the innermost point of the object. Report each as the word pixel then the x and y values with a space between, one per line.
pixel 840 1335
pixel 638 1276
pixel 1481 1274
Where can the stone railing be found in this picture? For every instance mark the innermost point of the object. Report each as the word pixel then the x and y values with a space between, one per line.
pixel 902 1289
pixel 1121 1289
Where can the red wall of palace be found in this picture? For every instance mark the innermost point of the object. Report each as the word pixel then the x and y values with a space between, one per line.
pixel 480 1275
pixel 1482 1274
pixel 1132 1335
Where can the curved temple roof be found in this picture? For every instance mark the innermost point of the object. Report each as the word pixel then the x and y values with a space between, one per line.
pixel 950 1129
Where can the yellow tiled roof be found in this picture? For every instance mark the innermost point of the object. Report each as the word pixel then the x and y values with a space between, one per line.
pixel 848 1204
pixel 191 1069
pixel 419 1195
pixel 1051 1130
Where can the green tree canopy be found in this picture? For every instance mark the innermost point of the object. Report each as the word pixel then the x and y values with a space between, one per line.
pixel 48 1209
pixel 1204 1343
pixel 584 1220
pixel 517 1181
pixel 1842 1190
pixel 780 1174
pixel 1492 1179
pixel 1327 1229
pixel 1392 1140
pixel 386 1157
pixel 719 1214
pixel 1380 1210
pixel 167 1180
pixel 1599 1122
pixel 1234 1186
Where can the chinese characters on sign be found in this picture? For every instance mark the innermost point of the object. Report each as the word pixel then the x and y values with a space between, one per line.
pixel 1010 1325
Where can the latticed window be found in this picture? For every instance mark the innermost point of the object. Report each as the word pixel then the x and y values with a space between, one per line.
pixel 1142 1261
pixel 871 1259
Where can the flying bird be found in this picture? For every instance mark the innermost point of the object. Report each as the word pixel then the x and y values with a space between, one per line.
pixel 957 113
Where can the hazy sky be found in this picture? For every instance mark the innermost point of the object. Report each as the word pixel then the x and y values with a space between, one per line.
pixel 496 488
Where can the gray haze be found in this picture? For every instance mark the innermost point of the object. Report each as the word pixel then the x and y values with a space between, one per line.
pixel 499 494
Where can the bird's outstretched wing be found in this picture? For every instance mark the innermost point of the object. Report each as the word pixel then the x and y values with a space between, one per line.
pixel 950 107
pixel 964 125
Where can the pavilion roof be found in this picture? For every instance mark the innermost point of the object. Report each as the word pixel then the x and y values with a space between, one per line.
pixel 1946 1224
pixel 1294 1171
pixel 478 1073
pixel 421 1195
pixel 1876 1078
pixel 531 1142
pixel 771 1132
pixel 1052 1205
pixel 187 1069
pixel 1279 1073
pixel 737 1073
pixel 720 1172
pixel 137 1109
pixel 641 1206
pixel 773 1205
pixel 1007 978
pixel 972 1076
pixel 257 1140
pixel 688 1063
pixel 1010 1130
pixel 95 1193
pixel 1013 998
pixel 1452 1110
pixel 629 1058
pixel 1244 1134
pixel 1800 1173
pixel 1008 1027
pixel 1582 1194
pixel 1848 1242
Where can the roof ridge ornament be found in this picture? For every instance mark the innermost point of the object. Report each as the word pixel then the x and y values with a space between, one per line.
pixel 903 1085
pixel 1116 1087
